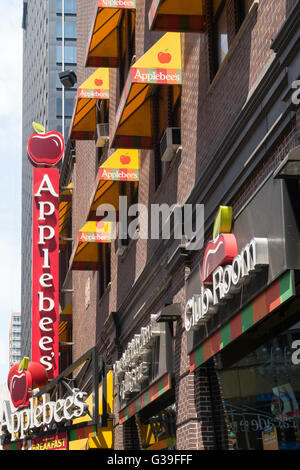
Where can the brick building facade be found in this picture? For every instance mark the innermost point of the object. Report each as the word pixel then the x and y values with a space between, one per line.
pixel 237 124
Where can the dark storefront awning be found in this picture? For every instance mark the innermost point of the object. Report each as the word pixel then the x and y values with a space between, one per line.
pixel 96 87
pixel 160 65
pixel 177 15
pixel 65 211
pixel 104 44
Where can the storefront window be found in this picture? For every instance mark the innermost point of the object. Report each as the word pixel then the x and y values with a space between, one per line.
pixel 262 395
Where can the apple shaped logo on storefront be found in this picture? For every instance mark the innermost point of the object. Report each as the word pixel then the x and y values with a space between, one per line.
pixel 164 57
pixel 223 248
pixel 98 82
pixel 23 378
pixel 125 159
pixel 45 149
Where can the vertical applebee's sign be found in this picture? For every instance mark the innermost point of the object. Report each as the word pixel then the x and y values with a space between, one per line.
pixel 45 151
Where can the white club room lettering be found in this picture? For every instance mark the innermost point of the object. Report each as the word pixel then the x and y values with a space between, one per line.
pixel 226 282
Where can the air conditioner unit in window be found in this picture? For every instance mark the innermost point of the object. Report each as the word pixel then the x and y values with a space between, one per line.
pixel 101 134
pixel 120 246
pixel 169 143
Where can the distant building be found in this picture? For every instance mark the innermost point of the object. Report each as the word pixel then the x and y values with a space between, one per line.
pixel 15 339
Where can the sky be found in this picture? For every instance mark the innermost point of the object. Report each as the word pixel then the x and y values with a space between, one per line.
pixel 10 173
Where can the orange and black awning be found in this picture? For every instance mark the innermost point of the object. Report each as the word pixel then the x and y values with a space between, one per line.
pixel 187 16
pixel 122 165
pixel 84 119
pixel 104 44
pixel 160 65
pixel 86 254
pixel 65 318
pixel 65 211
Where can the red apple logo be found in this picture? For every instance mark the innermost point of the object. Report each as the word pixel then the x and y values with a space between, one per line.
pixel 164 57
pixel 45 149
pixel 218 252
pixel 98 82
pixel 125 159
pixel 23 378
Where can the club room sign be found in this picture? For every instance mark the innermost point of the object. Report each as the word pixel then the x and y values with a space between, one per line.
pixel 242 260
pixel 45 150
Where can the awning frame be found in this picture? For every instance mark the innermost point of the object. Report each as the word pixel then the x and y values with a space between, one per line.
pixel 116 7
pixel 144 76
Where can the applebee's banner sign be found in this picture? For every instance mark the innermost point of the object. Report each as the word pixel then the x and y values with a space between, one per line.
pixel 224 270
pixel 45 151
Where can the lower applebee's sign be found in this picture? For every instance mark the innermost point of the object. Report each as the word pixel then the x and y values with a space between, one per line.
pixel 47 413
pixel 224 270
pixel 45 150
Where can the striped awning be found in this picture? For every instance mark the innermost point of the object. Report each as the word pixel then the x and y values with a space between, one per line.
pixel 122 165
pixel 104 44
pixel 86 253
pixel 65 211
pixel 160 65
pixel 187 16
pixel 96 87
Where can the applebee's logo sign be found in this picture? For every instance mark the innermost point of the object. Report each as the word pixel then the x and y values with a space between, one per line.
pixel 22 423
pixel 224 270
pixel 24 377
pixel 45 150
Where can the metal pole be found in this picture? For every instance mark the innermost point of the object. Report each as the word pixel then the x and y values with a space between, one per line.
pixel 95 387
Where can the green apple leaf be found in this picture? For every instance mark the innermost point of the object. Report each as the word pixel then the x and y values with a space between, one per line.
pixel 38 128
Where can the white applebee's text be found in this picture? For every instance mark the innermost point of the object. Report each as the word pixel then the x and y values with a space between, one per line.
pixel 49 412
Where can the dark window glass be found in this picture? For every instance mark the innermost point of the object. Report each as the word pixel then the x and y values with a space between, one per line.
pixel 70 6
pixel 104 267
pixel 70 54
pixel 219 33
pixel 262 394
pixel 127 45
pixel 70 30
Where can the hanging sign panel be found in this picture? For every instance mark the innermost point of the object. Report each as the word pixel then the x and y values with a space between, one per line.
pixel 45 151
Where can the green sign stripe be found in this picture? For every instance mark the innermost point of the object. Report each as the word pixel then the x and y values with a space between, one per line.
pixel 225 335
pixel 286 286
pixel 72 435
pixel 199 356
pixel 161 387
pixel 146 398
pixel 247 317
pixel 138 404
